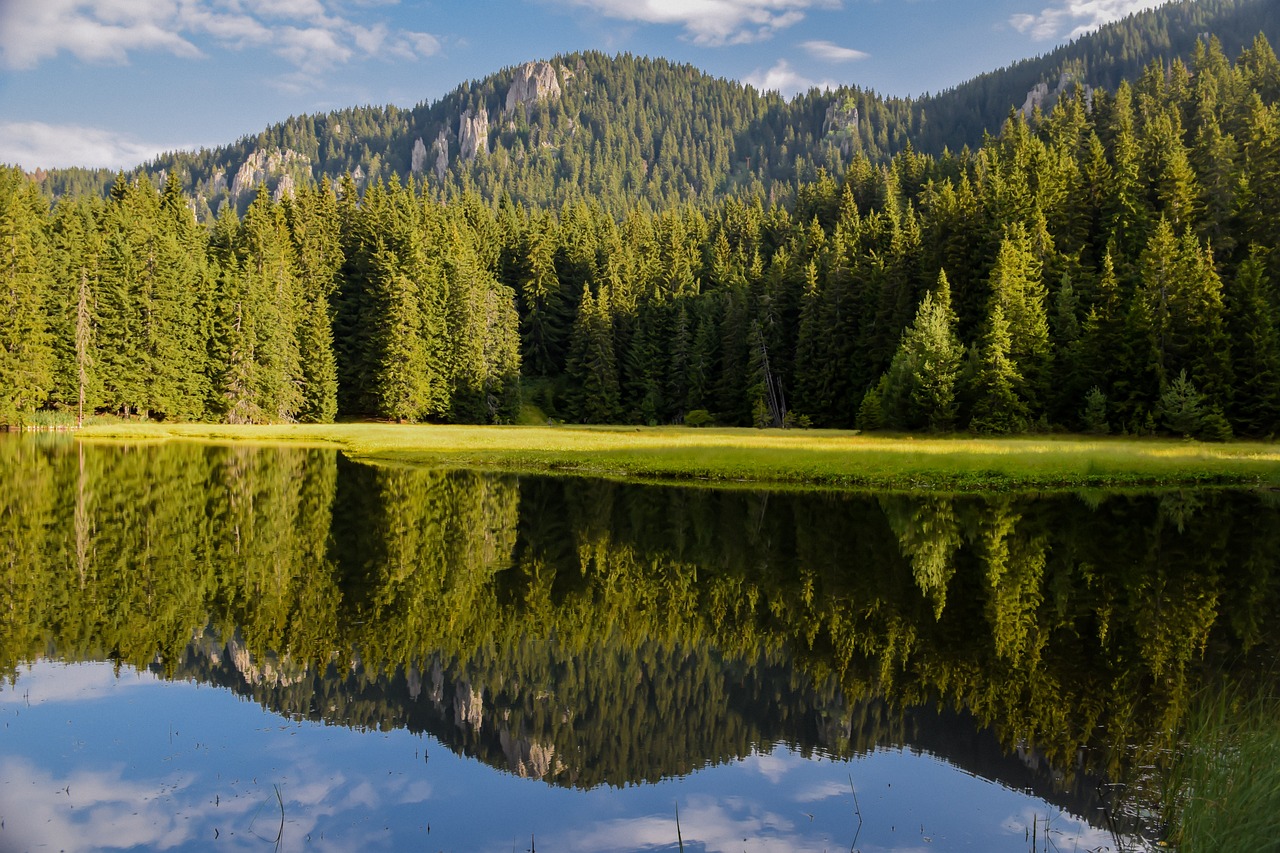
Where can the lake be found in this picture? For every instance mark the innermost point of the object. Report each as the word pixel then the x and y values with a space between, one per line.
pixel 236 647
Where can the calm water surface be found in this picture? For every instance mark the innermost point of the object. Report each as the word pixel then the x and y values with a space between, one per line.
pixel 214 647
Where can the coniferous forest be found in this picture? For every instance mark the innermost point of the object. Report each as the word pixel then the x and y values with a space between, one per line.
pixel 1110 265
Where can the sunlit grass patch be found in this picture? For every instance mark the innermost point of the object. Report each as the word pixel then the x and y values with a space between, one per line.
pixel 813 457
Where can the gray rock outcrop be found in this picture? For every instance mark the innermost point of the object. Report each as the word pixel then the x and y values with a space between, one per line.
pixel 418 159
pixel 441 150
pixel 260 166
pixel 533 82
pixel 841 123
pixel 473 134
pixel 1041 95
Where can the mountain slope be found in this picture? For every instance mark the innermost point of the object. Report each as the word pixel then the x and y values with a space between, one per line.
pixel 628 130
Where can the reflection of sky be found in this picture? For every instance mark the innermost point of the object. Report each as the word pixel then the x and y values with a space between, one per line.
pixel 89 761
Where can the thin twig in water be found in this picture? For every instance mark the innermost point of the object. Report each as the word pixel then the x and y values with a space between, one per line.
pixel 679 837
pixel 857 811
pixel 280 834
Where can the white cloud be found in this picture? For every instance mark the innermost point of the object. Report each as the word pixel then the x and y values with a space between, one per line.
pixel 31 32
pixel 311 49
pixel 1073 18
pixel 832 52
pixel 113 811
pixel 712 22
pixel 75 682
pixel 34 144
pixel 714 825
pixel 822 791
pixel 379 41
pixel 308 34
pixel 785 80
pixel 1071 832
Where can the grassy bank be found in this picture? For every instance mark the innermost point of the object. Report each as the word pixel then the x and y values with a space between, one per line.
pixel 809 457
pixel 1223 794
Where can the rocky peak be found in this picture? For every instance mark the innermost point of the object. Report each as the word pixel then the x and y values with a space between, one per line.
pixel 1041 95
pixel 283 188
pixel 533 81
pixel 441 149
pixel 841 122
pixel 842 117
pixel 419 158
pixel 261 166
pixel 473 134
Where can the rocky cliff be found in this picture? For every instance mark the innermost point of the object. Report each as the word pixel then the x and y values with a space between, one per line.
pixel 533 82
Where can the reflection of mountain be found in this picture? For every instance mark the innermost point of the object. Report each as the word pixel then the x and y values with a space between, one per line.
pixel 614 730
pixel 608 718
pixel 576 623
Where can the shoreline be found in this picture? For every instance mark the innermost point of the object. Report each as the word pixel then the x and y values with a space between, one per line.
pixel 743 456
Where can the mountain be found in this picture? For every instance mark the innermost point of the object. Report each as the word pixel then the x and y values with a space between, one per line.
pixel 626 130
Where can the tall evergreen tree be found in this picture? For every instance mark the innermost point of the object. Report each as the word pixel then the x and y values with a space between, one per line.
pixel 921 387
pixel 592 368
pixel 26 357
pixel 998 407
pixel 312 215
pixel 1018 291
pixel 1255 335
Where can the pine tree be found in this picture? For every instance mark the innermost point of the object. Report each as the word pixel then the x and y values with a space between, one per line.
pixel 999 408
pixel 26 357
pixel 73 307
pixel 1255 333
pixel 921 386
pixel 182 308
pixel 1181 297
pixel 312 216
pixel 271 293
pixel 592 368
pixel 1019 293
pixel 540 303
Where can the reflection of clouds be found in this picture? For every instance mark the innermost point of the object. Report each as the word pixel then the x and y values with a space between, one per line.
pixel 97 808
pixel 706 823
pixel 823 791
pixel 79 682
pixel 1063 829
pixel 418 791
pixel 773 765
pixel 100 809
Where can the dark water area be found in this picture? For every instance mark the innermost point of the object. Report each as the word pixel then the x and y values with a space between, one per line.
pixel 256 647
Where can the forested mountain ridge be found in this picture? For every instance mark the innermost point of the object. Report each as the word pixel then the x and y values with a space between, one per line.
pixel 628 130
pixel 1111 265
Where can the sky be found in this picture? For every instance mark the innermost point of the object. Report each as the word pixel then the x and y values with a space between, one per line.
pixel 112 83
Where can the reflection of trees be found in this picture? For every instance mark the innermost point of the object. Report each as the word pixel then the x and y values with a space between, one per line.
pixel 588 632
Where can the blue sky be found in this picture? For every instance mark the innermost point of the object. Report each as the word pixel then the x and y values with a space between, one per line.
pixel 113 82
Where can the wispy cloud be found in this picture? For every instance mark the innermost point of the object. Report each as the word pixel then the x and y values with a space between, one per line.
pixel 832 52
pixel 712 22
pixel 785 80
pixel 33 144
pixel 1073 18
pixel 715 826
pixel 103 33
pixel 309 34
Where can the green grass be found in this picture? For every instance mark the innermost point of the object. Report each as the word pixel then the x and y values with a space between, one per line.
pixel 804 457
pixel 1223 794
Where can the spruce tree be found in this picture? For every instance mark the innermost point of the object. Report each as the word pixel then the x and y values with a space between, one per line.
pixel 1255 333
pixel 312 216
pixel 921 388
pixel 998 407
pixel 592 368
pixel 26 357
pixel 1019 293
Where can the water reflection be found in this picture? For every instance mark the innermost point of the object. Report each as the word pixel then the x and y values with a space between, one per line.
pixel 596 635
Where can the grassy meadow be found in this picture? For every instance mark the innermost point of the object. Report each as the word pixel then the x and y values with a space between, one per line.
pixel 778 457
